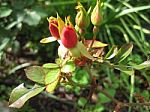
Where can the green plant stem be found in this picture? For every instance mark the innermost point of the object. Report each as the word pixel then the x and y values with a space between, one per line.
pixel 122 104
pixel 131 90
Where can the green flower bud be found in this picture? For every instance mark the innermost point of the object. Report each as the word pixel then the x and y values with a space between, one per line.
pixel 75 52
pixel 96 16
pixel 82 18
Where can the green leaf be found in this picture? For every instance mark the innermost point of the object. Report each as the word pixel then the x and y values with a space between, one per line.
pixel 131 10
pixel 50 87
pixel 36 74
pixel 81 76
pixel 123 52
pixel 96 44
pixel 5 11
pixel 50 65
pixel 48 40
pixel 40 11
pixel 82 101
pixel 105 99
pixel 145 64
pixel 125 69
pixel 21 94
pixel 83 50
pixel 32 18
pixel 112 53
pixel 68 67
pixel 52 75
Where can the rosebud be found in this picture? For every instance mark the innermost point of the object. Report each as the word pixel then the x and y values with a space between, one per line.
pixel 69 37
pixel 82 18
pixel 96 16
pixel 53 27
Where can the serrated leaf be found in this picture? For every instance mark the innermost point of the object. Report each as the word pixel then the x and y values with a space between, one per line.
pixel 123 52
pixel 50 87
pixel 83 50
pixel 50 65
pixel 36 74
pixel 112 53
pixel 52 75
pixel 48 40
pixel 21 94
pixel 145 64
pixel 96 44
pixel 68 67
pixel 5 11
pixel 125 69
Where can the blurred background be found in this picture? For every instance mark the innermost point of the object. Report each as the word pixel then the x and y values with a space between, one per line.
pixel 23 23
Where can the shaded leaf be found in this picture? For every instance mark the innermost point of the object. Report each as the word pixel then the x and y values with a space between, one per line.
pixel 5 11
pixel 32 18
pixel 96 44
pixel 48 40
pixel 36 74
pixel 112 53
pixel 125 69
pixel 82 101
pixel 123 52
pixel 50 65
pixel 68 67
pixel 50 87
pixel 105 99
pixel 81 76
pixel 83 50
pixel 21 94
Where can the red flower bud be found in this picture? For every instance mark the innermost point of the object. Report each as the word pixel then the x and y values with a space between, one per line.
pixel 69 37
pixel 53 27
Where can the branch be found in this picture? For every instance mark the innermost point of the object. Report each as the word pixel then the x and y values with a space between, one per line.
pixel 123 104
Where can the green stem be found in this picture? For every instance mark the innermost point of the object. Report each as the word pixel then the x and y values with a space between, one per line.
pixel 131 90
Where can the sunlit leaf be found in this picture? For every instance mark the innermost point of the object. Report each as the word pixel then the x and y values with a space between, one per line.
pixel 123 52
pixel 48 40
pixel 36 74
pixel 50 65
pixel 52 75
pixel 112 53
pixel 68 67
pixel 96 44
pixel 145 64
pixel 131 10
pixel 83 50
pixel 21 94
pixel 50 87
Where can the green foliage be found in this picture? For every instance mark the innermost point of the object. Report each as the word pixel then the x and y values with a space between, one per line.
pixel 23 24
pixel 40 74
pixel 21 94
